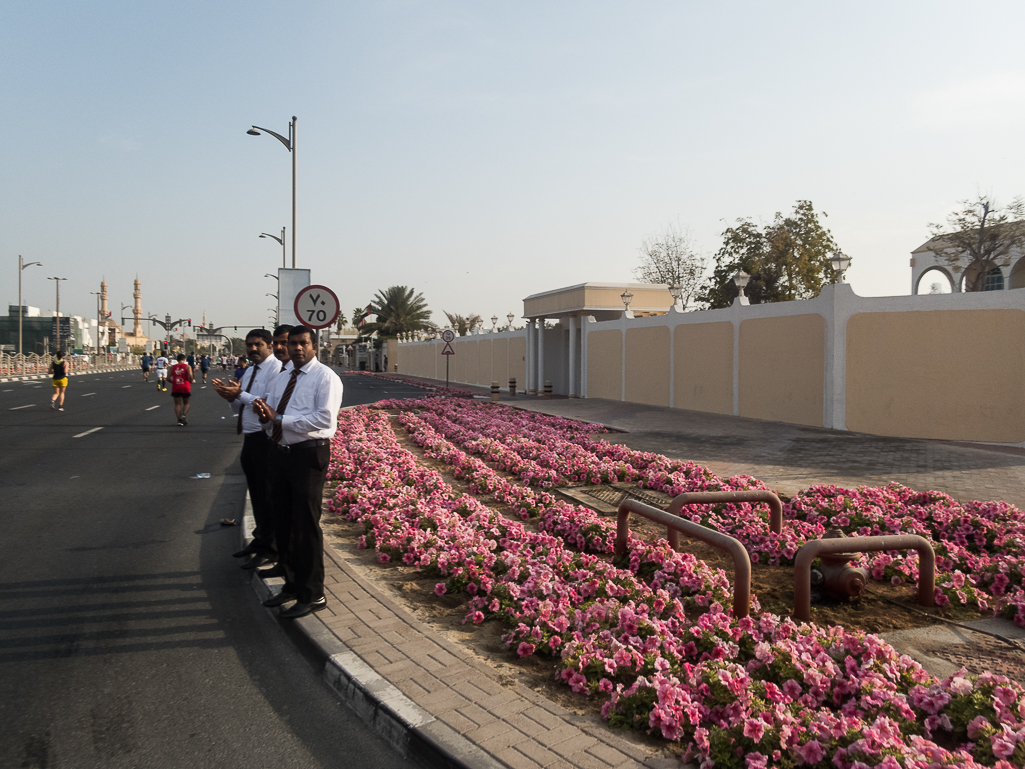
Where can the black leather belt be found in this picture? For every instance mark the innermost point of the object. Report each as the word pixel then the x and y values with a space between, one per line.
pixel 312 444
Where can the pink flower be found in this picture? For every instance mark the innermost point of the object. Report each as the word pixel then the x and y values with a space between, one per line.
pixel 756 761
pixel 525 649
pixel 1003 742
pixel 440 589
pixel 754 728
pixel 811 752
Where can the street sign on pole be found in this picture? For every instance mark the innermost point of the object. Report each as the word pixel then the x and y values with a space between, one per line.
pixel 316 307
pixel 448 335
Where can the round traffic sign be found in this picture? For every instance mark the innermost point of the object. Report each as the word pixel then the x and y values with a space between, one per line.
pixel 448 335
pixel 316 307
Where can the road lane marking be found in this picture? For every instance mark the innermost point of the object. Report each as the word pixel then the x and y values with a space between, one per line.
pixel 86 395
pixel 152 407
pixel 126 387
pixel 23 407
pixel 87 432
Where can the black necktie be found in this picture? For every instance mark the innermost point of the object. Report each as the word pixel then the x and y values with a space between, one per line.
pixel 238 430
pixel 286 396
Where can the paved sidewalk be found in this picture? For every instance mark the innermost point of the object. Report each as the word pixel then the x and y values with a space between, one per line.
pixel 443 708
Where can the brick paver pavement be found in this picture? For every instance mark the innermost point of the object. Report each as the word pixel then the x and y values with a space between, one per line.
pixel 790 457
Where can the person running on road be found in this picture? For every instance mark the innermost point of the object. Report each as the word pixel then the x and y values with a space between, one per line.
pixel 147 361
pixel 59 375
pixel 181 388
pixel 204 366
pixel 191 360
pixel 162 372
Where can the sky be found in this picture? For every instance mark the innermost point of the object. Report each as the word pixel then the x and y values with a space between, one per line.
pixel 480 152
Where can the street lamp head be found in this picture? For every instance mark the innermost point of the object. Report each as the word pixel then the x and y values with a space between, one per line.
pixel 268 275
pixel 840 262
pixel 741 280
pixel 677 291
pixel 253 132
pixel 627 297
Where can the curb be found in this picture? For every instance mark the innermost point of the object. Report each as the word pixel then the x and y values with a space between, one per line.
pixel 412 731
pixel 70 374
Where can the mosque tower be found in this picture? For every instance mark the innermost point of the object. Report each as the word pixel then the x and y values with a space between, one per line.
pixel 103 300
pixel 137 312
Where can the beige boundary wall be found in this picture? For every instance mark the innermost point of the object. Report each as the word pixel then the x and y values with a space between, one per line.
pixel 948 366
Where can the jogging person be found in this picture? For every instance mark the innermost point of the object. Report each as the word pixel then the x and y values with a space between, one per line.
pixel 162 372
pixel 181 388
pixel 147 361
pixel 191 360
pixel 204 366
pixel 59 376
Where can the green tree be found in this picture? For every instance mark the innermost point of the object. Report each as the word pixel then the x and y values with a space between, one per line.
pixel 787 259
pixel 978 236
pixel 462 324
pixel 399 310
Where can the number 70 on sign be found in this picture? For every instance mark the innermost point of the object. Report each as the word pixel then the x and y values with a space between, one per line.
pixel 316 307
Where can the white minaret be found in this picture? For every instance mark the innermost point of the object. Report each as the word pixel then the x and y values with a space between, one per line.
pixel 137 311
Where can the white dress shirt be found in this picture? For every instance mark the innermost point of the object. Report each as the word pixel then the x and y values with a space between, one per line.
pixel 268 371
pixel 312 411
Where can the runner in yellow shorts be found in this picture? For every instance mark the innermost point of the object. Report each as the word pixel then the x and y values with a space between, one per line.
pixel 59 377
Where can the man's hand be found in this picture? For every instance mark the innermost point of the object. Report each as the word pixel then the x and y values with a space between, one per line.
pixel 263 411
pixel 227 390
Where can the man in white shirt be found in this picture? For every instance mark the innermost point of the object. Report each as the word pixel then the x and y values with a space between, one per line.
pixel 300 414
pixel 162 363
pixel 240 396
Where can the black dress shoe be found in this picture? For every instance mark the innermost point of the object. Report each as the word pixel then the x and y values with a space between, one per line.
pixel 257 560
pixel 302 609
pixel 247 550
pixel 279 598
pixel 274 571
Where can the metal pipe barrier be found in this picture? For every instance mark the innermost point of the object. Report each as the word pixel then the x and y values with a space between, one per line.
pixel 674 527
pixel 811 550
pixel 712 497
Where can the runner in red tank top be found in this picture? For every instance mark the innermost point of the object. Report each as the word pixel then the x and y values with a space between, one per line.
pixel 181 388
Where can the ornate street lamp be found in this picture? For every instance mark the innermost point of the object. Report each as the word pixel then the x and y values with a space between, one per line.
pixel 509 318
pixel 677 292
pixel 740 280
pixel 494 323
pixel 840 263
pixel 627 297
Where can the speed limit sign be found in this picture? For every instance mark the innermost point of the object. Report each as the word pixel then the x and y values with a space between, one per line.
pixel 316 307
pixel 448 335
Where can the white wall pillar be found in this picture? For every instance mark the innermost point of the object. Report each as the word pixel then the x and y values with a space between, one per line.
pixel 540 355
pixel 572 356
pixel 529 386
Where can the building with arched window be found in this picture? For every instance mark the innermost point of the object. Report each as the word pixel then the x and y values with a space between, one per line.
pixel 928 269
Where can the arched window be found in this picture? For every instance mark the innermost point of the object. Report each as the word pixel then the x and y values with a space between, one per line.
pixel 994 280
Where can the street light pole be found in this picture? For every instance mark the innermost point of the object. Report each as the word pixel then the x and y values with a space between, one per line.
pixel 290 146
pixel 280 240
pixel 57 281
pixel 97 294
pixel 21 312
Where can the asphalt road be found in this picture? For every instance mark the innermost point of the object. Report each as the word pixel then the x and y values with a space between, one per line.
pixel 129 636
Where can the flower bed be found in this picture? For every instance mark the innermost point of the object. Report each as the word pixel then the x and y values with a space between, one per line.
pixel 650 635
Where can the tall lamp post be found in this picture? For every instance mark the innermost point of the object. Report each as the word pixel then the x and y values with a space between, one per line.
pixel 21 266
pixel 280 240
pixel 57 282
pixel 290 146
pixel 97 294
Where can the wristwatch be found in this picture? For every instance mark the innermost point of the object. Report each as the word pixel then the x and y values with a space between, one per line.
pixel 277 418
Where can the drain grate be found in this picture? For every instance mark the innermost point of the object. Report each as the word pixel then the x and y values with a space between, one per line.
pixel 606 498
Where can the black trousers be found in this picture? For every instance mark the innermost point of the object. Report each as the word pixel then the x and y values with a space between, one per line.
pixel 254 465
pixel 297 489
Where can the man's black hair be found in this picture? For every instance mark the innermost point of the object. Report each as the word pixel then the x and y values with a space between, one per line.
pixel 284 328
pixel 300 330
pixel 181 356
pixel 260 333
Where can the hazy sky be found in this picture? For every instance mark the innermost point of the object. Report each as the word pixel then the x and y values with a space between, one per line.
pixel 480 152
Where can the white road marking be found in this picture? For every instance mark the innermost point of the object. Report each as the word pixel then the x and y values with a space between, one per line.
pixel 23 407
pixel 126 387
pixel 8 391
pixel 87 432
pixel 152 407
pixel 86 395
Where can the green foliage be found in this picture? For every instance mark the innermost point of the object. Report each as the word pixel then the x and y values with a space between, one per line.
pixel 399 310
pixel 787 259
pixel 462 324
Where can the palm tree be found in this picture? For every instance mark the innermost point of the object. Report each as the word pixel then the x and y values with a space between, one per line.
pixel 462 325
pixel 399 310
